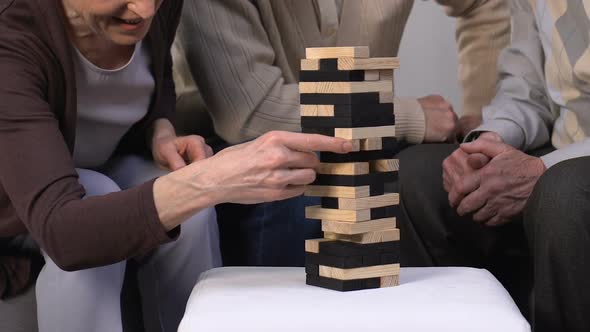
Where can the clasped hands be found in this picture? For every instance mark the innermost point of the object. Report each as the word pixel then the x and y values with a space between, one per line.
pixel 490 180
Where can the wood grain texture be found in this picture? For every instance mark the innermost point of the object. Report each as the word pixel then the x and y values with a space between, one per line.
pixel 386 75
pixel 313 245
pixel 365 132
pixel 374 75
pixel 351 63
pixel 384 165
pixel 317 212
pixel 350 228
pixel 365 238
pixel 338 191
pixel 344 168
pixel 359 273
pixel 310 64
pixel 337 52
pixel 316 110
pixel 390 281
pixel 345 87
pixel 368 202
pixel 371 144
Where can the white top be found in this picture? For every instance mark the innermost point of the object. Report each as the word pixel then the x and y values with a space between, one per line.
pixel 110 102
pixel 264 299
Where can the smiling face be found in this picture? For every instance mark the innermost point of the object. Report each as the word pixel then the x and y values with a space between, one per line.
pixel 122 22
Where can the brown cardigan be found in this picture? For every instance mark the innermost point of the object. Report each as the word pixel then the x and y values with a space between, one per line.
pixel 39 189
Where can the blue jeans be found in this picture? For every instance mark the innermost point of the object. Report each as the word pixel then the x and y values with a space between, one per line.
pixel 268 234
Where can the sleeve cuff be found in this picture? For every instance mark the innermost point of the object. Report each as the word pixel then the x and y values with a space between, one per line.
pixel 409 120
pixel 153 224
pixel 510 132
pixel 576 150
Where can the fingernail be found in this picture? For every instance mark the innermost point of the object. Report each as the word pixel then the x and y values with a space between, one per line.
pixel 347 146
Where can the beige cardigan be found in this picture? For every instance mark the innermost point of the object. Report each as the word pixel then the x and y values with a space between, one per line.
pixel 245 55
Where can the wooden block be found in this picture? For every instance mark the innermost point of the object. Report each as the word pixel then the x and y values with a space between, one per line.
pixel 352 157
pixel 359 273
pixel 371 144
pixel 344 168
pixel 384 165
pixel 386 75
pixel 345 87
pixel 340 76
pixel 344 192
pixel 371 250
pixel 382 212
pixel 337 52
pixel 370 179
pixel 375 75
pixel 390 281
pixel 385 212
pixel 343 110
pixel 361 203
pixel 351 63
pixel 367 132
pixel 313 245
pixel 350 228
pixel 343 262
pixel 368 120
pixel 365 238
pixel 365 98
pixel 317 212
pixel 343 285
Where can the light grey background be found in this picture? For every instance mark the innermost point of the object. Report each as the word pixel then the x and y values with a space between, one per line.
pixel 428 55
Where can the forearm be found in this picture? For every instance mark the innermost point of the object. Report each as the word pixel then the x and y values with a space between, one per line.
pixel 483 31
pixel 183 193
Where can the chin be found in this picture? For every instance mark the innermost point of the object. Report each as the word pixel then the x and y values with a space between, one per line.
pixel 126 40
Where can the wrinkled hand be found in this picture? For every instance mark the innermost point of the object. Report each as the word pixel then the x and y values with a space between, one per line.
pixel 441 120
pixel 173 153
pixel 276 166
pixel 503 185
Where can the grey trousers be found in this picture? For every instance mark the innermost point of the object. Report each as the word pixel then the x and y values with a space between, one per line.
pixel 541 257
pixel 89 300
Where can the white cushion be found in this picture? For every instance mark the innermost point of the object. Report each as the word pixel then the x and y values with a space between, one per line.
pixel 277 299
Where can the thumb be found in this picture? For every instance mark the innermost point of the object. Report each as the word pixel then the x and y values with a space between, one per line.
pixel 486 147
pixel 173 159
pixel 477 160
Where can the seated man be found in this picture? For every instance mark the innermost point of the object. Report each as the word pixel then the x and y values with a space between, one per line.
pixel 245 56
pixel 516 198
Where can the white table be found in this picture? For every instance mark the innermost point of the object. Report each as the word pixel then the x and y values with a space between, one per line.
pixel 277 299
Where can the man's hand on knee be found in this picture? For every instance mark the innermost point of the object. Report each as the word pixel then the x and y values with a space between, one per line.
pixel 503 185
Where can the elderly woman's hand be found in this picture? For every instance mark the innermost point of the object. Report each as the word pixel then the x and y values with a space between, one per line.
pixel 172 152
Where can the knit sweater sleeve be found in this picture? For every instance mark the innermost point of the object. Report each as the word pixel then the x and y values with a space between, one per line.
pixel 233 63
pixel 483 31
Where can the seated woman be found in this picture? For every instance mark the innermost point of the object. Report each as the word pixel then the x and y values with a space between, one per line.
pixel 87 147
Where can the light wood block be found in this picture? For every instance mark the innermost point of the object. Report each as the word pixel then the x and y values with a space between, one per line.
pixel 389 281
pixel 371 144
pixel 338 191
pixel 344 168
pixel 384 165
pixel 365 238
pixel 376 271
pixel 356 145
pixel 368 202
pixel 351 63
pixel 316 110
pixel 345 87
pixel 374 75
pixel 336 52
pixel 317 212
pixel 350 228
pixel 310 64
pixel 386 75
pixel 365 132
pixel 313 245
pixel 386 97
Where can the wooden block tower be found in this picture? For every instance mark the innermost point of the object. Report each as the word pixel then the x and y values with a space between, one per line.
pixel 345 93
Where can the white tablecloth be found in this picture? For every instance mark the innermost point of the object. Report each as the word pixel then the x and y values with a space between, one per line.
pixel 277 299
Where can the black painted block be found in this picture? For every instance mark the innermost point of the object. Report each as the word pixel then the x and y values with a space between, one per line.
pixel 385 212
pixel 332 76
pixel 345 249
pixel 339 98
pixel 360 110
pixel 343 285
pixel 341 262
pixel 366 120
pixel 361 156
pixel 355 180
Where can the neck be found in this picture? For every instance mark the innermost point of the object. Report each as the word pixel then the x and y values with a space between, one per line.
pixel 94 47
